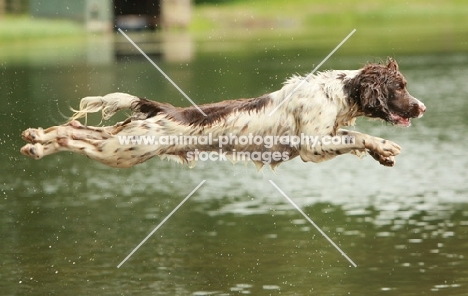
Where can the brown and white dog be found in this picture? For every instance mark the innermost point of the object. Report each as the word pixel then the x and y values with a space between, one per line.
pixel 316 106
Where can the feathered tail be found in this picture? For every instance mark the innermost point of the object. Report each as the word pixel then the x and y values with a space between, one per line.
pixel 109 104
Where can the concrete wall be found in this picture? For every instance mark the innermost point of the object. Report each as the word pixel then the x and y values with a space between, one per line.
pixel 176 13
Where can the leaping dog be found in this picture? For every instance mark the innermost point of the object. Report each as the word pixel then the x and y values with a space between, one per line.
pixel 315 106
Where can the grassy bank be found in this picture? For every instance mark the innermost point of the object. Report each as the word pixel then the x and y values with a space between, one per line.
pixel 20 28
pixel 388 27
pixel 317 14
pixel 385 26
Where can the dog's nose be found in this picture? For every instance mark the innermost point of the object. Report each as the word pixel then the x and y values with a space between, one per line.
pixel 422 109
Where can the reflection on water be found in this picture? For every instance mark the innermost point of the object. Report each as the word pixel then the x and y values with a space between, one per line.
pixel 67 222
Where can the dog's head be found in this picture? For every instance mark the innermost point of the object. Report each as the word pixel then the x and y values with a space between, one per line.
pixel 380 92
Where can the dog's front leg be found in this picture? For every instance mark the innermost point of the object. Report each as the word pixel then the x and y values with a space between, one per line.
pixel 346 141
pixel 380 149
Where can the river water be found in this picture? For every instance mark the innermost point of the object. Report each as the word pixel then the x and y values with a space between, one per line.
pixel 68 222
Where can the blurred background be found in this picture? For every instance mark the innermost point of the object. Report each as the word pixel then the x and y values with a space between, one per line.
pixel 66 222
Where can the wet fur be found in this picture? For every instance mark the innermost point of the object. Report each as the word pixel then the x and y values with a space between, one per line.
pixel 320 106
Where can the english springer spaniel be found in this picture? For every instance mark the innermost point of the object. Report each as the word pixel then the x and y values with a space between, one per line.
pixel 311 108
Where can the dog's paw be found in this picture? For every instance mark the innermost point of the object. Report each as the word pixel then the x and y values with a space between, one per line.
pixel 33 135
pixel 382 147
pixel 387 161
pixel 383 160
pixel 33 150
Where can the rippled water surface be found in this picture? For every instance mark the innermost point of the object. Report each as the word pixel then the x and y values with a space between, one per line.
pixel 67 222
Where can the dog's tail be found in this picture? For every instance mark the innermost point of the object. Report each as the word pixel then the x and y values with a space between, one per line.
pixel 109 104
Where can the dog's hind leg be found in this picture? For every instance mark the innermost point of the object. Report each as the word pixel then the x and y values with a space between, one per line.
pixel 39 150
pixel 73 137
pixel 71 129
pixel 115 146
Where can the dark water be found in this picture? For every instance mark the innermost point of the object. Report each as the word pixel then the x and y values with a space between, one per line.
pixel 66 222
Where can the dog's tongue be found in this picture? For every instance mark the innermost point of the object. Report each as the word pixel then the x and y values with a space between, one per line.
pixel 399 120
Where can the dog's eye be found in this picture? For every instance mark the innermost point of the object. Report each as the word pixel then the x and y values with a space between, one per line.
pixel 400 86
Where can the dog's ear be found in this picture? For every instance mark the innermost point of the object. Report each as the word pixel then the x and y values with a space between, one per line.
pixel 370 95
pixel 368 91
pixel 392 64
pixel 365 89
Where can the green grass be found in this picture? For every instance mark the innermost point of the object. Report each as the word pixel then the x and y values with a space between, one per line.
pixel 389 27
pixel 385 26
pixel 21 28
pixel 301 12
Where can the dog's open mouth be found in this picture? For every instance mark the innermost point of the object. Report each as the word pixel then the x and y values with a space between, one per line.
pixel 399 120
